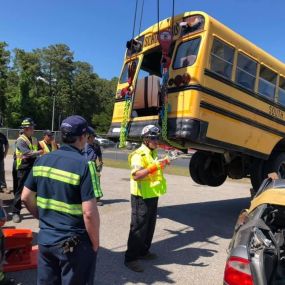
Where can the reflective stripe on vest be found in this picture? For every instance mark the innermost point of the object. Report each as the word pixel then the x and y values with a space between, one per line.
pixel 32 146
pixel 95 180
pixel 1 275
pixel 45 148
pixel 56 174
pixel 51 204
pixel 151 186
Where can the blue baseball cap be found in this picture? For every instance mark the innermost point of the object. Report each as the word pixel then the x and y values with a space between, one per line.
pixel 91 131
pixel 48 133
pixel 74 126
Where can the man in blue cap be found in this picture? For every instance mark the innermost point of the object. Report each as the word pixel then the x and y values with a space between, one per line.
pixel 59 191
pixel 92 152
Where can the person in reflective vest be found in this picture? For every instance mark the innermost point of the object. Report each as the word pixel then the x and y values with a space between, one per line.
pixel 48 144
pixel 60 192
pixel 147 184
pixel 26 154
pixel 92 153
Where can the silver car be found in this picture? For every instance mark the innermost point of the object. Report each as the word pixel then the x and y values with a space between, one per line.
pixel 256 254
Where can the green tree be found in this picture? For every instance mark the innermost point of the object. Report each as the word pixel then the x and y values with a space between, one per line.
pixel 77 88
pixel 4 61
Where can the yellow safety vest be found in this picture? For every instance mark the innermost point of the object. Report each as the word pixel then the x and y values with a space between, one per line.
pixel 45 148
pixel 32 146
pixel 153 185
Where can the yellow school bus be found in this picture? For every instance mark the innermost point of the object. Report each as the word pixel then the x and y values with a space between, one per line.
pixel 226 98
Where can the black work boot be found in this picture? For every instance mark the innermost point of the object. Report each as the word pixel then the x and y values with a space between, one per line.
pixel 134 266
pixel 148 256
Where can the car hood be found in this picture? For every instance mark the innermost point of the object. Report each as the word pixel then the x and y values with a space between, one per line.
pixel 273 196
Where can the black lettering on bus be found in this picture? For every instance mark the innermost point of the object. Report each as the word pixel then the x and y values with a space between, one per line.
pixel 275 112
pixel 150 40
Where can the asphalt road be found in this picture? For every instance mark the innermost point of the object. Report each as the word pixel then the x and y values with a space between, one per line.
pixel 118 154
pixel 194 227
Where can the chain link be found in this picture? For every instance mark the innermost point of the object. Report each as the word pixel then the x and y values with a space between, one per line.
pixel 164 111
pixel 125 121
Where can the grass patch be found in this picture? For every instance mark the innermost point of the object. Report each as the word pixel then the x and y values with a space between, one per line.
pixel 172 170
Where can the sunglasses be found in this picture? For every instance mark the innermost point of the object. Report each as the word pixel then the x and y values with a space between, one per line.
pixel 154 139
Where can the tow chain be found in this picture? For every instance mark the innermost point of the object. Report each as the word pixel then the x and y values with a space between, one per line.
pixel 164 118
pixel 128 94
pixel 124 124
pixel 165 39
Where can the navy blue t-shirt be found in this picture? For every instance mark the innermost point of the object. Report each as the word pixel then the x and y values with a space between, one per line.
pixel 62 181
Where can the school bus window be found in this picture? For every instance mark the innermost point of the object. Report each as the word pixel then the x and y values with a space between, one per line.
pixel 267 82
pixel 192 24
pixel 187 53
pixel 151 63
pixel 281 91
pixel 134 46
pixel 125 75
pixel 246 72
pixel 222 57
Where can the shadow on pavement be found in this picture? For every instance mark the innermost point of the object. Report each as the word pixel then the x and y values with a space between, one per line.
pixel 200 222
pixel 204 222
pixel 113 201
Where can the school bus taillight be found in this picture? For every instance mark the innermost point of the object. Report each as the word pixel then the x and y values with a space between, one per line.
pixel 180 80
pixel 171 82
pixel 186 78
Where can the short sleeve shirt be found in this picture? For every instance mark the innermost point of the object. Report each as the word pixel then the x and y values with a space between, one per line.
pixel 62 181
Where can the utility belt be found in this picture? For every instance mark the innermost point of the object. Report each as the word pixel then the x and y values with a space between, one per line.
pixel 69 244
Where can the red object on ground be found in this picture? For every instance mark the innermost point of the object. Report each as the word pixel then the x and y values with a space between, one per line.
pixel 19 252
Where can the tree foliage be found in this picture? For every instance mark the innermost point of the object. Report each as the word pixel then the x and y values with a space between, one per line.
pixel 29 83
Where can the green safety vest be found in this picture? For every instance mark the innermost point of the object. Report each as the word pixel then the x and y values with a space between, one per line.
pixel 32 146
pixel 45 148
pixel 95 179
pixel 153 185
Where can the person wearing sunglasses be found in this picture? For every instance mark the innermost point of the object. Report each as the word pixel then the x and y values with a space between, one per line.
pixel 147 185
pixel 48 143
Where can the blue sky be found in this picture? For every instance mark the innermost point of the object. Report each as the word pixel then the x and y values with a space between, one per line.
pixel 96 31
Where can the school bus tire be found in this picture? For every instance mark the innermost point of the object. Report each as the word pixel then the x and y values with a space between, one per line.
pixel 195 166
pixel 213 173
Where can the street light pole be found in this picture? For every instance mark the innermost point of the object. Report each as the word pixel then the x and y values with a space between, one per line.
pixel 53 97
pixel 53 108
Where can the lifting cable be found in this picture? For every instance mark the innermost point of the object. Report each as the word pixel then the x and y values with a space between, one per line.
pixel 141 16
pixel 165 63
pixel 128 92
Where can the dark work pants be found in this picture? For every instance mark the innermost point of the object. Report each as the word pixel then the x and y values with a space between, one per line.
pixel 2 174
pixel 72 268
pixel 143 221
pixel 14 175
pixel 21 177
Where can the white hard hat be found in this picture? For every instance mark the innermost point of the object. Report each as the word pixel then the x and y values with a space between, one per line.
pixel 150 131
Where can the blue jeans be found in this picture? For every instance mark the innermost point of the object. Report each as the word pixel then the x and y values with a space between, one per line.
pixel 72 268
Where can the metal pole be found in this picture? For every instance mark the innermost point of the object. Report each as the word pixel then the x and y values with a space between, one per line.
pixel 53 107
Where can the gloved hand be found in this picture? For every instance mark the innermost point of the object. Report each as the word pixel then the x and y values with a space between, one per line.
pixel 159 164
pixel 163 162
pixel 100 167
